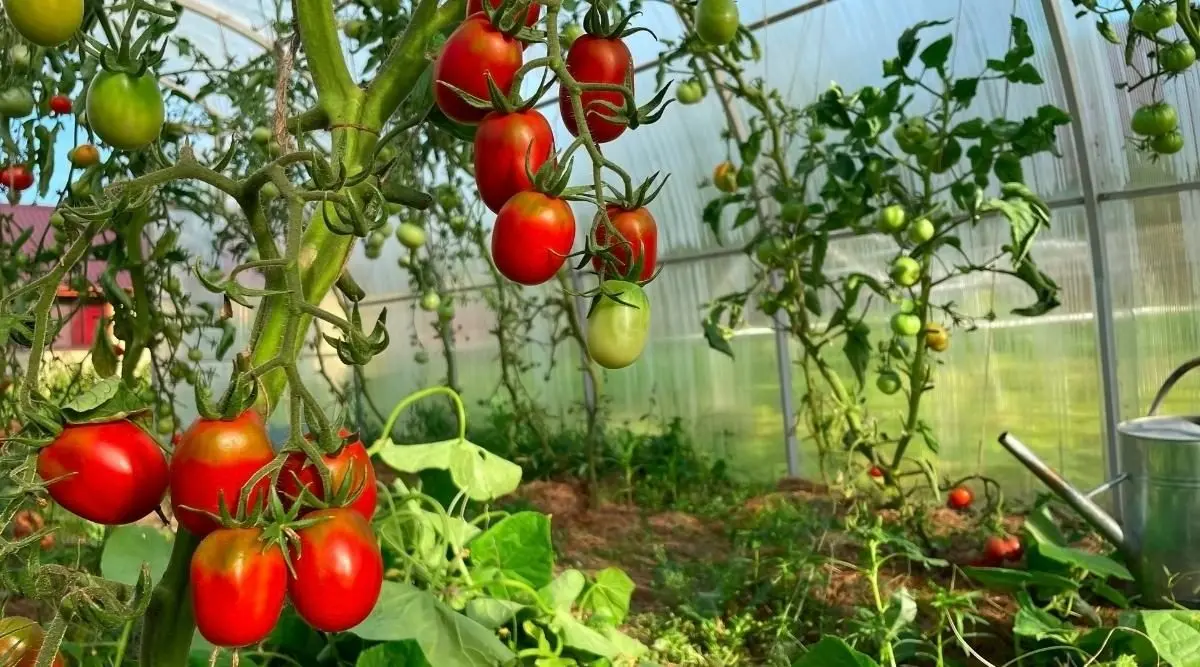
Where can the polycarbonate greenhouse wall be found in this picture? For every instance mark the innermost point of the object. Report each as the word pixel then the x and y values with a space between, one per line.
pixel 1124 246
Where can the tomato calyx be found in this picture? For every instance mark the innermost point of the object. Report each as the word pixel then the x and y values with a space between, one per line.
pixel 511 17
pixel 240 396
pixel 598 23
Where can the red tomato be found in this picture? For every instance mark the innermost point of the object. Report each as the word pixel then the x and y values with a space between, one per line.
pixel 505 145
pixel 875 471
pixel 531 15
pixel 641 241
pixel 594 59
pixel 338 571
pixel 20 640
pixel 474 49
pixel 234 571
pixel 532 237
pixel 298 472
pixel 1013 548
pixel 215 459
pixel 995 550
pixel 16 177
pixel 960 498
pixel 111 473
pixel 60 105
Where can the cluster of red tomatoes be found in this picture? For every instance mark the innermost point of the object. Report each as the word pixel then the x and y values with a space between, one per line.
pixel 114 473
pixel 535 231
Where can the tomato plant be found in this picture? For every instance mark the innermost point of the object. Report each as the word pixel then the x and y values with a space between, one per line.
pixel 109 473
pixel 239 582
pixel 716 21
pixel 214 460
pixel 639 247
pixel 125 111
pixel 509 149
pixel 46 23
pixel 597 59
pixel 618 324
pixel 16 177
pixel 338 571
pixel 475 51
pixel 350 472
pixel 959 498
pixel 20 640
pixel 532 237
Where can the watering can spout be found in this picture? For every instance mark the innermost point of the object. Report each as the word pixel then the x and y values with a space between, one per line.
pixel 1097 517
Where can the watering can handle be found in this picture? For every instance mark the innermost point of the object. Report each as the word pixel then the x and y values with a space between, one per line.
pixel 1169 383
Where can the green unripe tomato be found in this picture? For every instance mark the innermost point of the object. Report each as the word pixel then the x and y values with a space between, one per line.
pixel 16 103
pixel 57 220
pixel 1176 56
pixel 165 426
pixel 921 231
pixel 716 21
pixel 1008 168
pixel 572 32
pixel 793 212
pixel 421 357
pixel 195 354
pixel 1151 16
pixel 260 136
pixel 911 134
pixel 891 219
pixel 888 382
pixel 274 149
pixel 689 92
pixel 20 56
pixel 816 134
pixel 445 312
pixel 905 271
pixel 372 250
pixel 1155 119
pixel 430 301
pixel 356 30
pixel 410 236
pixel 1167 144
pixel 905 324
pixel 269 191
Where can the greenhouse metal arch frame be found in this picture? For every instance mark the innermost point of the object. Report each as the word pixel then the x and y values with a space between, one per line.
pixel 1090 200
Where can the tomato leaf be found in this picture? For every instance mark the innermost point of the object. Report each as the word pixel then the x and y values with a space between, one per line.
pixel 716 339
pixel 1025 73
pixel 906 45
pixel 492 613
pixel 833 652
pixel 107 400
pixel 963 91
pixel 393 654
pixel 609 596
pixel 1038 624
pixel 128 548
pixel 1005 579
pixel 936 54
pixel 1101 566
pixel 582 638
pixel 858 350
pixel 447 638
pixel 518 545
pixel 1043 286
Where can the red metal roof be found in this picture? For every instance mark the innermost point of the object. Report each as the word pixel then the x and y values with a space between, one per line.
pixel 38 219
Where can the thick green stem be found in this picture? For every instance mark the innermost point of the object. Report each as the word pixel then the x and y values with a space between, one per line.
pixel 143 317
pixel 169 623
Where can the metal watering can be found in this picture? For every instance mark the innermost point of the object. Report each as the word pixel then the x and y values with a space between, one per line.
pixel 1159 460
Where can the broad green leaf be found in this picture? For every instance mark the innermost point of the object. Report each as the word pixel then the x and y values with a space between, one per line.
pixel 857 349
pixel 564 590
pixel 582 638
pixel 447 638
pixel 1018 579
pixel 607 599
pixel 106 400
pixel 1043 286
pixel 1039 624
pixel 936 54
pixel 1175 635
pixel 1101 566
pixel 492 613
pixel 833 652
pixel 900 612
pixel 906 46
pixel 393 654
pixel 1026 73
pixel 520 545
pixel 1042 528
pixel 104 357
pixel 626 645
pixel 483 476
pixel 127 547
pixel 716 339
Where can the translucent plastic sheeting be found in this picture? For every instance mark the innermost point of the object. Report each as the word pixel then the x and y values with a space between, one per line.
pixel 554 382
pixel 1153 251
pixel 1038 377
pixel 847 41
pixel 730 407
pixel 1106 111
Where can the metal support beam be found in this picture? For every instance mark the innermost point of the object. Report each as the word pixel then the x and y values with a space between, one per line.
pixel 1105 329
pixel 233 22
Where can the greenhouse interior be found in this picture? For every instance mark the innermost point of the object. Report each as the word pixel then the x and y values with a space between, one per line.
pixel 610 333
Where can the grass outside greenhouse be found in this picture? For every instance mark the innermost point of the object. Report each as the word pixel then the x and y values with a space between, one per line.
pixel 451 333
